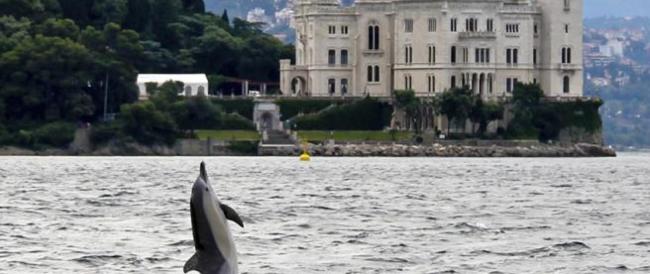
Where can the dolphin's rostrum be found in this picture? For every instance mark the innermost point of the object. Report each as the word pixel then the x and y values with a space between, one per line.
pixel 215 249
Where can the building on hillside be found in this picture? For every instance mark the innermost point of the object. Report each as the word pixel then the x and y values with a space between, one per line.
pixel 193 84
pixel 376 46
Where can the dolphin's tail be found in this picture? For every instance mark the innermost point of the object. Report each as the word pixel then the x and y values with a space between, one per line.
pixel 206 265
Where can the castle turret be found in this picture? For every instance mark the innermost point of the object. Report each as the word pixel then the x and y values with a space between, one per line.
pixel 561 33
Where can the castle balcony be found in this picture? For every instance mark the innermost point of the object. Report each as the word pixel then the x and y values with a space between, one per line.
pixel 569 67
pixel 480 35
pixel 373 53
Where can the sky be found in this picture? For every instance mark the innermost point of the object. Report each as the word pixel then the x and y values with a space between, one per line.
pixel 595 8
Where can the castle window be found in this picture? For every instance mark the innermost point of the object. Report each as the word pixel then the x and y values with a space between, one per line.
pixel 344 86
pixel 332 29
pixel 408 54
pixel 432 55
pixel 344 30
pixel 512 56
pixel 408 25
pixel 344 57
pixel 567 84
pixel 432 25
pixel 490 25
pixel 465 55
pixel 471 25
pixel 566 55
pixel 408 81
pixel 373 74
pixel 377 74
pixel 331 86
pixel 453 54
pixel 431 84
pixel 453 81
pixel 331 57
pixel 454 25
pixel 512 28
pixel 567 5
pixel 566 28
pixel 534 56
pixel 373 37
pixel 535 29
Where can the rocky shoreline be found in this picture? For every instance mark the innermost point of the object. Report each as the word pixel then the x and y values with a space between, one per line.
pixel 438 150
pixel 343 150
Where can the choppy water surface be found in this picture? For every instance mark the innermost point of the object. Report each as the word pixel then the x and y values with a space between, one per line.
pixel 131 215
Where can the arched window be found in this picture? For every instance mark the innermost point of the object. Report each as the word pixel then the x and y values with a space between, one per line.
pixel 453 82
pixel 377 37
pixel 201 91
pixel 408 82
pixel 373 37
pixel 431 84
pixel 568 55
pixel 188 91
pixel 567 84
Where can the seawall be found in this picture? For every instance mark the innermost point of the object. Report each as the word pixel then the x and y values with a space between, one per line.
pixel 447 149
pixel 440 150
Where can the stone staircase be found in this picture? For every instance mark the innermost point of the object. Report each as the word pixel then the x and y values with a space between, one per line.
pixel 277 137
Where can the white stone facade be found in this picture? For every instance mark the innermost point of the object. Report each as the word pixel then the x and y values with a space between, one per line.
pixel 429 46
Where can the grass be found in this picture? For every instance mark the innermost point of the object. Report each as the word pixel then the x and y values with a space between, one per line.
pixel 228 135
pixel 319 136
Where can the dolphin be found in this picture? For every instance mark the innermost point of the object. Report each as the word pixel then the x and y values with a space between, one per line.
pixel 215 248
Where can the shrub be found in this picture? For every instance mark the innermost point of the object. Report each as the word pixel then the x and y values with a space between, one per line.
pixel 234 121
pixel 366 114
pixel 243 147
pixel 57 134
pixel 105 132
pixel 243 107
pixel 148 125
pixel 290 108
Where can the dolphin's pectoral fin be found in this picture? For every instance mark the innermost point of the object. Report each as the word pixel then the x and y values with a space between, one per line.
pixel 231 214
pixel 203 264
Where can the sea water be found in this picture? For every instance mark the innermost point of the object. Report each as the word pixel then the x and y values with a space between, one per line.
pixel 331 215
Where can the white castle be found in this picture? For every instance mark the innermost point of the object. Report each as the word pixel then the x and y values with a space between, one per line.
pixel 377 46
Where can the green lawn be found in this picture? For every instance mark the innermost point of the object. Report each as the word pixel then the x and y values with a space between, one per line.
pixel 228 135
pixel 319 136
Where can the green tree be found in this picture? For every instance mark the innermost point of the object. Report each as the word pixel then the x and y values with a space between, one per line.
pixel 41 75
pixel 196 113
pixel 456 104
pixel 148 125
pixel 407 102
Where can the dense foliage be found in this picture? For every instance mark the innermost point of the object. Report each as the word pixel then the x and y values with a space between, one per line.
pixel 366 114
pixel 166 117
pixel 534 117
pixel 290 108
pixel 58 57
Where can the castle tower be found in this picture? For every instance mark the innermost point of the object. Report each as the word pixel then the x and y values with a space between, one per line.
pixel 561 33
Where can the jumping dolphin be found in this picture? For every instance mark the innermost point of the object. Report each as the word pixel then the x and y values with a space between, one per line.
pixel 215 249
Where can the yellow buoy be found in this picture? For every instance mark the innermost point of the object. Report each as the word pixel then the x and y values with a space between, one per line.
pixel 305 157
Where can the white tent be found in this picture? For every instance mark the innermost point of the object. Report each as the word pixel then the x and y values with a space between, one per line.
pixel 194 84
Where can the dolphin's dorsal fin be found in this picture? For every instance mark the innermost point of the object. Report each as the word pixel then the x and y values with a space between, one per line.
pixel 231 214
pixel 203 172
